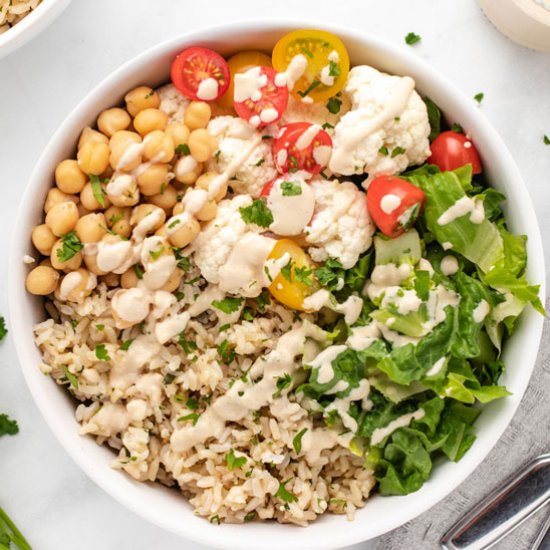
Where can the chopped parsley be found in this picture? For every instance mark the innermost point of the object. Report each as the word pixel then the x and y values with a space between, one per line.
pixel 285 495
pixel 334 69
pixel 168 379
pixel 286 271
pixel 156 254
pixel 101 353
pixel 194 417
pixel 307 52
pixel 216 520
pixel 546 140
pixel 260 162
pixel 282 383
pixel 228 305
pixel 397 151
pixel 183 149
pixel 233 461
pixel 248 314
pixel 97 189
pixel 73 380
pixel 251 515
pixel 226 352
pixel 303 275
pixel 187 346
pixel 297 441
pixel 263 300
pixel 192 404
pixel 225 327
pixel 3 329
pixel 70 246
pixel 328 274
pixel 8 426
pixel 268 274
pixel 173 224
pixel 310 88
pixel 126 344
pixel 327 126
pixel 138 271
pixel 333 105
pixel 183 262
pixel 257 213
pixel 293 162
pixel 383 151
pixel 149 94
pixel 115 218
pixel 412 38
pixel 100 327
pixel 291 188
pixel 479 97
pixel 163 188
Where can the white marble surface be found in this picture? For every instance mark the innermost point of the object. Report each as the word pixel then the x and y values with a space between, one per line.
pixel 53 502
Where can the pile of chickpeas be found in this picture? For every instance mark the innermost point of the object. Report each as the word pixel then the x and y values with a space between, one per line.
pixel 157 181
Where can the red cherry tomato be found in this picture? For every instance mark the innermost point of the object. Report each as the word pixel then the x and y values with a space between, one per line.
pixel 394 204
pixel 200 74
pixel 301 146
pixel 268 101
pixel 451 150
pixel 266 189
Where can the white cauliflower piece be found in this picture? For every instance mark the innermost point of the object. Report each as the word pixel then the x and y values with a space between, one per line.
pixel 341 227
pixel 218 238
pixel 172 102
pixel 234 135
pixel 387 128
pixel 315 113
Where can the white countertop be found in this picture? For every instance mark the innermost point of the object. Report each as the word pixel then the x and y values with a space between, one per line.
pixel 52 501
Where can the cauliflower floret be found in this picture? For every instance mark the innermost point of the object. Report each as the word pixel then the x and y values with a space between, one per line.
pixel 172 102
pixel 341 227
pixel 387 128
pixel 298 111
pixel 216 241
pixel 234 135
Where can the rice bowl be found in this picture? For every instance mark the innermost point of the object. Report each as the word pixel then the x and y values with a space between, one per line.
pixel 358 532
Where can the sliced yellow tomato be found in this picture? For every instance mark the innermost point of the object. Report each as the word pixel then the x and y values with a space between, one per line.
pixel 328 62
pixel 240 63
pixel 288 287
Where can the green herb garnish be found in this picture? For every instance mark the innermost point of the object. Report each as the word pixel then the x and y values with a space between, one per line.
pixel 412 38
pixel 397 151
pixel 228 305
pixel 97 189
pixel 257 213
pixel 188 346
pixel 479 97
pixel 282 383
pixel 333 105
pixel 291 188
pixel 310 88
pixel 233 461
pixel 73 380
pixel 8 426
pixel 383 151
pixel 226 352
pixel 183 149
pixel 334 69
pixel 194 417
pixel 70 246
pixel 303 275
pixel 126 344
pixel 101 353
pixel 297 441
pixel 283 494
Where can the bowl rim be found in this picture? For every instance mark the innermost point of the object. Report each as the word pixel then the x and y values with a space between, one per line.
pixel 31 25
pixel 23 337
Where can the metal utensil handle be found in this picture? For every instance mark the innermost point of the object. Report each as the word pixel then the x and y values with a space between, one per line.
pixel 541 535
pixel 504 509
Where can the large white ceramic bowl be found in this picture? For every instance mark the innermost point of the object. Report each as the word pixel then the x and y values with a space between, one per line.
pixel 167 508
pixel 31 25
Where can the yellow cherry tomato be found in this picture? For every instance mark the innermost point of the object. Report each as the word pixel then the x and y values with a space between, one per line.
pixel 327 67
pixel 292 292
pixel 240 63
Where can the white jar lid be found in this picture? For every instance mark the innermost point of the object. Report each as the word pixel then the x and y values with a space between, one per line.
pixel 526 22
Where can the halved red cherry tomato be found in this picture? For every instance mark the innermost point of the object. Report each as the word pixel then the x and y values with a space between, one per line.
pixel 266 189
pixel 267 101
pixel 201 74
pixel 451 150
pixel 394 204
pixel 301 146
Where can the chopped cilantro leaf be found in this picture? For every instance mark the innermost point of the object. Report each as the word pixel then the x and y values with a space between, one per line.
pixel 383 151
pixel 334 69
pixel 73 380
pixel 192 404
pixel 307 52
pixel 8 426
pixel 248 314
pixel 479 97
pixel 282 383
pixel 138 271
pixel 173 224
pixel 194 417
pixel 333 105
pixel 225 327
pixel 187 346
pixel 397 151
pixel 233 461
pixel 297 441
pixel 97 189
pixel 126 344
pixel 412 38
pixel 293 162
pixel 283 494
pixel 183 149
pixel 226 352
pixel 257 213
pixel 70 246
pixel 250 516
pixel 3 329
pixel 216 520
pixel 546 140
pixel 263 300
pixel 286 271
pixel 260 162
pixel 310 88
pixel 156 254
pixel 101 353
pixel 291 188
pixel 268 274
pixel 100 327
pixel 327 126
pixel 303 275
pixel 168 379
pixel 228 305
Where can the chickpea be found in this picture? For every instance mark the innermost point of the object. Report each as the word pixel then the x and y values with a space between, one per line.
pixel 90 260
pixel 118 220
pixel 166 199
pixel 142 211
pixel 43 239
pixel 112 280
pixel 42 280
pixel 161 232
pixel 185 232
pixel 82 282
pixel 93 157
pixel 55 196
pixel 62 218
pixel 150 181
pixel 81 210
pixel 123 190
pixel 202 145
pixel 91 135
pixel 118 145
pixel 129 278
pixel 148 120
pixel 108 173
pixel 113 120
pixel 71 264
pixel 46 262
pixel 91 228
pixel 178 132
pixel 187 170
pixel 141 98
pixel 208 211
pixel 157 145
pixel 69 177
pixel 173 282
pixel 89 201
pixel 178 208
pixel 197 115
pixel 204 182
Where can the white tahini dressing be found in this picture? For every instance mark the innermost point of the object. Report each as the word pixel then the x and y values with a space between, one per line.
pixel 462 207
pixel 449 265
pixel 351 308
pixel 70 282
pixel 208 89
pixel 437 367
pixel 323 362
pixel 389 203
pixel 296 68
pixel 248 85
pixel 380 434
pixel 481 311
pixel 362 337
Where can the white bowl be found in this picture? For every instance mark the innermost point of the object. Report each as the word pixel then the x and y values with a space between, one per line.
pixel 31 25
pixel 167 508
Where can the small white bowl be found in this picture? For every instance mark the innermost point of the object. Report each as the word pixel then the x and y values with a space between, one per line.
pixel 31 25
pixel 167 508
